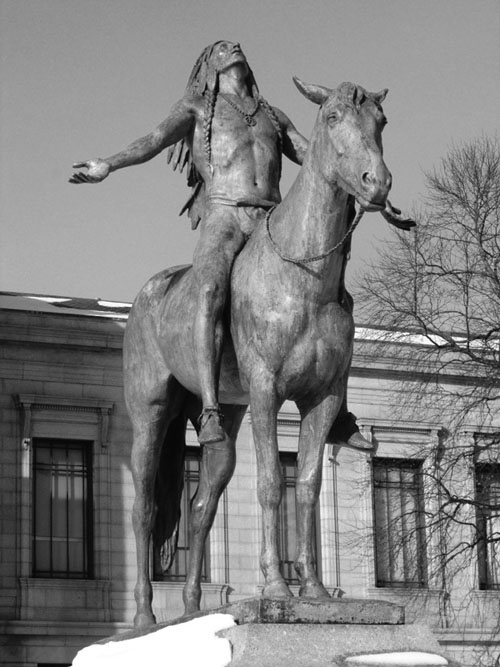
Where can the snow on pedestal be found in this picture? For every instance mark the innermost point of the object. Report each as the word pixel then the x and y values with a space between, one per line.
pixel 189 644
pixel 399 659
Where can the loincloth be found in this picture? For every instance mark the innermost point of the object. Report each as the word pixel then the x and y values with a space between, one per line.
pixel 249 210
pixel 251 202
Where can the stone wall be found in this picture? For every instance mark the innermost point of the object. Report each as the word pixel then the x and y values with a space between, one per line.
pixel 60 376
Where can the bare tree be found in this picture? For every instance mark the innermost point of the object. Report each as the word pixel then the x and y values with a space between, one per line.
pixel 441 282
pixel 435 294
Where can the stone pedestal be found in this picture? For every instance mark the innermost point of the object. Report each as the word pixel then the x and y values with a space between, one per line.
pixel 293 632
pixel 343 645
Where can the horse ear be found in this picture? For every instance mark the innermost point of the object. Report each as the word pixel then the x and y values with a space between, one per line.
pixel 380 97
pixel 313 92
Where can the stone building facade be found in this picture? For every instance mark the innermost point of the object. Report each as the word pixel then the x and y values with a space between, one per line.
pixel 67 567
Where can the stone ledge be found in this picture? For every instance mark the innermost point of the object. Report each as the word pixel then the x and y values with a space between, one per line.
pixel 304 610
pixel 293 611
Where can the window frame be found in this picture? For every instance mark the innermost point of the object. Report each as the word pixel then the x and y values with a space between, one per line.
pixel 486 573
pixel 87 507
pixel 419 529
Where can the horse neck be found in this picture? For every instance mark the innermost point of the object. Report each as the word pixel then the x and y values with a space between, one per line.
pixel 312 217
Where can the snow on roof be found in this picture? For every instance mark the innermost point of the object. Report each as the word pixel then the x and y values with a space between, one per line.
pixel 119 310
pixel 64 304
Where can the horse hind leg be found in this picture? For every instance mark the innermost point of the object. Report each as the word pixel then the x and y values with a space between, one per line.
pixel 217 467
pixel 150 420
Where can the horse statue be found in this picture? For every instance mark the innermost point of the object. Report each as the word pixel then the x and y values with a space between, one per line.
pixel 288 337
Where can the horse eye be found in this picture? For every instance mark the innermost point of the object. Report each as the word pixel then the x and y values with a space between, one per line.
pixel 333 118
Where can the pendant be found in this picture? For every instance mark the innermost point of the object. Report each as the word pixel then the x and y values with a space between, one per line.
pixel 250 120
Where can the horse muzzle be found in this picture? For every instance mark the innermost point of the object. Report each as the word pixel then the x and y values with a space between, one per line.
pixel 374 188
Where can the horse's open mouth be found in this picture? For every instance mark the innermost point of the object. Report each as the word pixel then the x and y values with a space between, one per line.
pixel 371 206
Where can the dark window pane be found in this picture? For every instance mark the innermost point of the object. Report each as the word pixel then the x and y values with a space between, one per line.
pixel 399 524
pixel 62 508
pixel 488 524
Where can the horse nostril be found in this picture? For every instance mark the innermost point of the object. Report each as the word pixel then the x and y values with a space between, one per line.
pixel 370 180
pixel 367 179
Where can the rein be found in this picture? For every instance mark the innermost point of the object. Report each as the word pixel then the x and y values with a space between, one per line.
pixel 316 258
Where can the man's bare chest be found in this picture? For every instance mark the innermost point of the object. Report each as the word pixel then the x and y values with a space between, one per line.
pixel 240 124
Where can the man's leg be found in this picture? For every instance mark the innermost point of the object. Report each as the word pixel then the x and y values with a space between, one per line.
pixel 345 430
pixel 217 247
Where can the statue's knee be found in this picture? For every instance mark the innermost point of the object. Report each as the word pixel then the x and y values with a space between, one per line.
pixel 306 492
pixel 269 496
pixel 208 291
pixel 212 296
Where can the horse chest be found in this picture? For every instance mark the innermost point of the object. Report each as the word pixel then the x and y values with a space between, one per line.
pixel 318 355
pixel 301 346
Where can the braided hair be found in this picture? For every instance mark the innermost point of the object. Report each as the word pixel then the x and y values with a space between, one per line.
pixel 274 120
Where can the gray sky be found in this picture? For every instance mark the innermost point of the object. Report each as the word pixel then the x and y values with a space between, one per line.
pixel 84 79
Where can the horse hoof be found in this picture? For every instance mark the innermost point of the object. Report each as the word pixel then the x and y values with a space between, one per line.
pixel 144 620
pixel 315 590
pixel 276 589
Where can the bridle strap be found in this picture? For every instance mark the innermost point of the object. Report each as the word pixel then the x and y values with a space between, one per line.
pixel 316 258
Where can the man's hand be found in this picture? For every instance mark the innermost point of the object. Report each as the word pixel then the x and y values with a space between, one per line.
pixel 97 170
pixel 393 216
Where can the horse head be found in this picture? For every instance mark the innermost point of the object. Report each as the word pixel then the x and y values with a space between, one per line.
pixel 347 141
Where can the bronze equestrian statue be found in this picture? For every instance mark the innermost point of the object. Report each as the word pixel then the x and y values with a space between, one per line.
pixel 288 333
pixel 231 141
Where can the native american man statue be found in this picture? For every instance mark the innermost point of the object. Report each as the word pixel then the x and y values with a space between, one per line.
pixel 231 141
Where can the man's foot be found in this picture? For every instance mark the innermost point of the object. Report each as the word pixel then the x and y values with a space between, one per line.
pixel 359 443
pixel 211 420
pixel 345 433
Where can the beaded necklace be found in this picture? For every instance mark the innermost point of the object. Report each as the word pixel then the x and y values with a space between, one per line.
pixel 247 116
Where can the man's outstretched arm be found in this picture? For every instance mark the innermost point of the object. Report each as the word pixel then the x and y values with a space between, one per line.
pixel 176 126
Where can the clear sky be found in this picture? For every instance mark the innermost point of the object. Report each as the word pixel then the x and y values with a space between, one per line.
pixel 82 79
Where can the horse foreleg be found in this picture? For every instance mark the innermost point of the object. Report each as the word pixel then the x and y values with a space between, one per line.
pixel 316 423
pixel 269 482
pixel 217 467
pixel 144 461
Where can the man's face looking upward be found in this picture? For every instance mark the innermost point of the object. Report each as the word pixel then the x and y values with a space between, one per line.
pixel 228 54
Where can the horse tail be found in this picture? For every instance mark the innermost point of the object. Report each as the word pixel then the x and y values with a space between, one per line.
pixel 168 491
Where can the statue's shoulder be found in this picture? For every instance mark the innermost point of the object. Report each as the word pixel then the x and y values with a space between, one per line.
pixel 193 103
pixel 189 106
